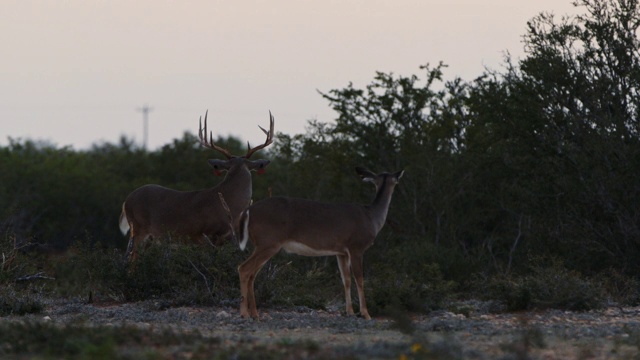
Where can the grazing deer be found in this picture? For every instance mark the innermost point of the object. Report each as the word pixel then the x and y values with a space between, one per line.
pixel 153 210
pixel 312 228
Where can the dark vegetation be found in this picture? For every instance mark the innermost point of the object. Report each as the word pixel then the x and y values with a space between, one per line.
pixel 521 187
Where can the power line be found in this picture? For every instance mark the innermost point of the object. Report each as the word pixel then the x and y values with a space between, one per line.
pixel 145 124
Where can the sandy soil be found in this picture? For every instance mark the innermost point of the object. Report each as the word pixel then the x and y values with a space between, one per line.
pixel 613 333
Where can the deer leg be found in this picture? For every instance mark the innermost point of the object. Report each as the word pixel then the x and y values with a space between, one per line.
pixel 130 255
pixel 345 274
pixel 130 246
pixel 356 267
pixel 137 237
pixel 248 271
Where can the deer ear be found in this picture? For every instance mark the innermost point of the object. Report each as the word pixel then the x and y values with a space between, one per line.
pixel 365 174
pixel 399 174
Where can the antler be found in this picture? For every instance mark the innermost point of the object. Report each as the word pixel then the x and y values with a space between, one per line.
pixel 269 140
pixel 210 144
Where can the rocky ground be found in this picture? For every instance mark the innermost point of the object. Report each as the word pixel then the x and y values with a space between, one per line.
pixel 613 333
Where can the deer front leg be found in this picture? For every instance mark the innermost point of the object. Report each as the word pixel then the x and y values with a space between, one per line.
pixel 248 271
pixel 244 302
pixel 345 274
pixel 356 267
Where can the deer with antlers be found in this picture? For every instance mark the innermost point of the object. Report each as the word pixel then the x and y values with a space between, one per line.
pixel 154 210
pixel 313 228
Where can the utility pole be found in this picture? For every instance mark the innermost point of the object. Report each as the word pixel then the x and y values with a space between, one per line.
pixel 145 125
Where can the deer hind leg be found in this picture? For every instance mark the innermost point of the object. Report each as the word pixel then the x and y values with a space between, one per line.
pixel 128 255
pixel 248 271
pixel 345 273
pixel 356 267
pixel 135 239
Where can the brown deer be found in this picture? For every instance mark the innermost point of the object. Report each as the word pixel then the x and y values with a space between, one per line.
pixel 312 228
pixel 154 210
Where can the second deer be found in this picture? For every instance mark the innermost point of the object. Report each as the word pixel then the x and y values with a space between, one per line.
pixel 312 228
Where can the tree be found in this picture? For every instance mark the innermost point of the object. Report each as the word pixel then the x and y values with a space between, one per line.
pixel 562 126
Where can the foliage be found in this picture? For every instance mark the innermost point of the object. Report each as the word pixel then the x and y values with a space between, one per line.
pixel 558 135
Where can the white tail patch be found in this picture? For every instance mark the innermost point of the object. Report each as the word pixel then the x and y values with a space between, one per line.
pixel 124 222
pixel 245 230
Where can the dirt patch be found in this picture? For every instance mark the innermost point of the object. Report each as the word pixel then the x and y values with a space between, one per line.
pixel 608 334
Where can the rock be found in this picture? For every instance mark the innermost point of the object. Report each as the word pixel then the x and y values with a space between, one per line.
pixel 223 315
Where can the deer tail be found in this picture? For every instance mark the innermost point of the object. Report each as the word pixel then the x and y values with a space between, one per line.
pixel 244 229
pixel 124 222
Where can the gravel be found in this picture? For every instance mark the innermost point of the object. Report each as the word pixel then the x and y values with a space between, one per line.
pixel 605 334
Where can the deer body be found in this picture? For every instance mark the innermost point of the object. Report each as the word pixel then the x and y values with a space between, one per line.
pixel 153 210
pixel 196 214
pixel 349 224
pixel 312 228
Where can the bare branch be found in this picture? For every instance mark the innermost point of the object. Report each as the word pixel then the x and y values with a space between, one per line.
pixel 36 276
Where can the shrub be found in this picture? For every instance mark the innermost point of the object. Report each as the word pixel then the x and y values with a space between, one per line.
pixel 547 286
pixel 190 274
pixel 298 281
pixel 622 289
pixel 183 273
pixel 421 290
pixel 16 303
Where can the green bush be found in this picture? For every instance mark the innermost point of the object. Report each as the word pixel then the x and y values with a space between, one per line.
pixel 547 286
pixel 406 274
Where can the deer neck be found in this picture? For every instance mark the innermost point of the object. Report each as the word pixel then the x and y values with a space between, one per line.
pixel 236 187
pixel 380 206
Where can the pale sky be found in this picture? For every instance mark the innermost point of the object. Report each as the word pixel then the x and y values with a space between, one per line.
pixel 75 72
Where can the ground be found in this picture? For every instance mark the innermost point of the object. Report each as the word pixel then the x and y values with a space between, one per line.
pixel 612 333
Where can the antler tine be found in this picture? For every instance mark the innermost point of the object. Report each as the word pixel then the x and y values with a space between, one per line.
pixel 267 142
pixel 209 144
